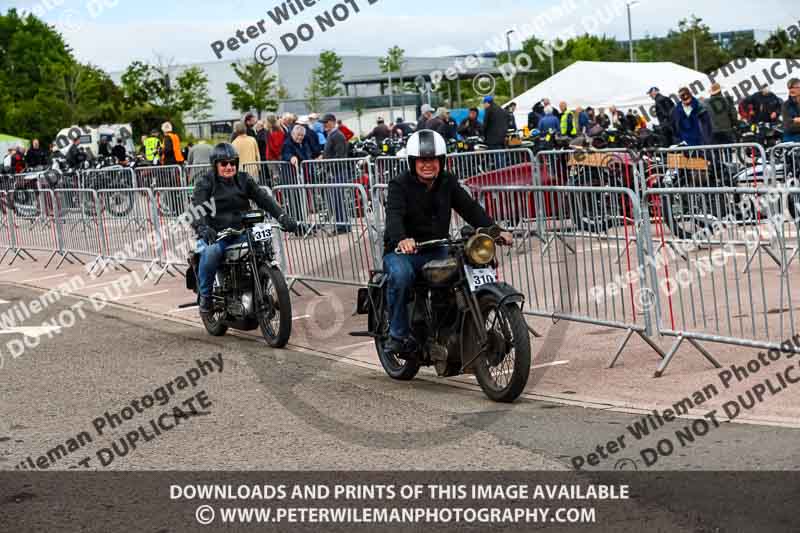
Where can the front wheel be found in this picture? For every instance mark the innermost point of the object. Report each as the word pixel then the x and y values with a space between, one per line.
pixel 275 316
pixel 503 368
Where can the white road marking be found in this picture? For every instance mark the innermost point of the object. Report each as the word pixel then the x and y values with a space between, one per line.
pixel 180 309
pixel 30 331
pixel 9 271
pixel 353 345
pixel 4 302
pixel 43 279
pixel 143 295
pixel 99 284
pixel 300 317
pixel 554 363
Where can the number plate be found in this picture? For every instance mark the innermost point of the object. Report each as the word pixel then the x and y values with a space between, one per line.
pixel 480 276
pixel 262 232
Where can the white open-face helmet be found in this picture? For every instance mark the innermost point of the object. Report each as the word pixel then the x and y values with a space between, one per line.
pixel 425 144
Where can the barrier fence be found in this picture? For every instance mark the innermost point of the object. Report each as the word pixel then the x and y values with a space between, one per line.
pixel 625 240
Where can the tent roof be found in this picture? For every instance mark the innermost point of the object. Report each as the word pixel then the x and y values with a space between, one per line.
pixel 763 71
pixel 603 84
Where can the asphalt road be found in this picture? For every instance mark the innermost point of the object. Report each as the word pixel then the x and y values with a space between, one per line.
pixel 255 408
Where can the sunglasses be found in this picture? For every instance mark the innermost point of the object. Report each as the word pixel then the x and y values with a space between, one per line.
pixel 228 163
pixel 686 96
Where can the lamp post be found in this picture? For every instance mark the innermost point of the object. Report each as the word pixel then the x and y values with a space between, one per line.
pixel 630 26
pixel 508 43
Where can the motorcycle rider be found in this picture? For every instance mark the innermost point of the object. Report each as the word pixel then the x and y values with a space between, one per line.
pixel 231 191
pixel 418 208
pixel 75 156
pixel 766 106
pixel 471 126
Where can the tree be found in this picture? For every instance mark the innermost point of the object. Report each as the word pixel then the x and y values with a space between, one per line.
pixel 256 92
pixel 313 93
pixel 328 74
pixel 393 60
pixel 678 47
pixel 157 84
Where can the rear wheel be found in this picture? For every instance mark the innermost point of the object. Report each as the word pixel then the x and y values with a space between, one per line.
pixel 275 317
pixel 690 214
pixel 503 369
pixel 396 368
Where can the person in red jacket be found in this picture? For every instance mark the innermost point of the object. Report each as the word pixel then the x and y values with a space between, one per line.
pixel 348 134
pixel 275 139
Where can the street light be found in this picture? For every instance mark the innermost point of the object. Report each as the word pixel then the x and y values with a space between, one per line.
pixel 508 42
pixel 630 26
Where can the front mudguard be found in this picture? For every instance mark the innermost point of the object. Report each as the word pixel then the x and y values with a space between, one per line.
pixel 470 344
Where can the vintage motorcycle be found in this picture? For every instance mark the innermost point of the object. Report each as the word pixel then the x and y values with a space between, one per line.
pixel 463 319
pixel 250 291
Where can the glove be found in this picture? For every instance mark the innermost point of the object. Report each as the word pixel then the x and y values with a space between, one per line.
pixel 209 234
pixel 287 223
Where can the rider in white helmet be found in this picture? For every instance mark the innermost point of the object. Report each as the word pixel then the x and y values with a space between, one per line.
pixel 418 208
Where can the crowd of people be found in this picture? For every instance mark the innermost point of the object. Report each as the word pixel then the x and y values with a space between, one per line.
pixel 692 121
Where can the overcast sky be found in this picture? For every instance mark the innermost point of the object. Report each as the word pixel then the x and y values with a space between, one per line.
pixel 113 36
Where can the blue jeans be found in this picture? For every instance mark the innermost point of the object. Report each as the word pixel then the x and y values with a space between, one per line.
pixel 336 202
pixel 211 257
pixel 402 271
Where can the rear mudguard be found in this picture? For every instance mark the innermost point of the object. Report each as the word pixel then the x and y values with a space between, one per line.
pixel 505 294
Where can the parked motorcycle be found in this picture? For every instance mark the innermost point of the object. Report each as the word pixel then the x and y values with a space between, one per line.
pixel 464 320
pixel 250 291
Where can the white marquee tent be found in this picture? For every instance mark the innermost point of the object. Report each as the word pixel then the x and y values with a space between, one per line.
pixel 738 79
pixel 603 84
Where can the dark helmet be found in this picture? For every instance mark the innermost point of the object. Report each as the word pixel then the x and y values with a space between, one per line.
pixel 425 144
pixel 224 152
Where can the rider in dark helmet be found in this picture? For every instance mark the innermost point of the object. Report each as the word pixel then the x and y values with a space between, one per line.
pixel 418 208
pixel 228 192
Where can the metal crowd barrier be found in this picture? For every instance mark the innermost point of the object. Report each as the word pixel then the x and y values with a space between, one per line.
pixel 7 237
pixel 385 169
pixel 193 172
pixel 335 242
pixel 78 225
pixel 155 177
pixel 721 282
pixel 108 178
pixel 273 173
pixel 129 233
pixel 491 168
pixel 33 223
pixel 176 239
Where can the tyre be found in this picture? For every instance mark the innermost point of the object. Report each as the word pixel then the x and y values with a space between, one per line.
pixel 275 319
pixel 689 214
pixel 395 368
pixel 215 323
pixel 119 204
pixel 503 370
pixel 592 211
pixel 26 203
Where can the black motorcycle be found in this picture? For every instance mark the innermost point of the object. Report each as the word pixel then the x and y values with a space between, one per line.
pixel 250 291
pixel 463 319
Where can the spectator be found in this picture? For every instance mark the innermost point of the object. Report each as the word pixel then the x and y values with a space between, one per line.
pixel 631 121
pixel 691 122
pixel 495 124
pixel 512 120
pixel 347 132
pixel 276 137
pixel 172 154
pixel 536 114
pixel 295 150
pixel 569 126
pixel 791 113
pixel 119 152
pixel 102 148
pixel 452 127
pixel 310 138
pixel 75 156
pixel 664 109
pixel 439 122
pixel 602 118
pixel 401 129
pixel 246 146
pixel 427 114
pixel 18 161
pixel 35 157
pixel 287 123
pixel 381 132
pixel 723 116
pixel 583 120
pixel 590 114
pixel 250 123
pixel 318 128
pixel 470 126
pixel 261 139
pixel 7 161
pixel 336 148
pixel 766 106
pixel 200 154
pixel 548 122
pixel 617 118
pixel 641 122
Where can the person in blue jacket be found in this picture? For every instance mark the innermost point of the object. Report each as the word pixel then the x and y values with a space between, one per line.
pixel 549 121
pixel 691 121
